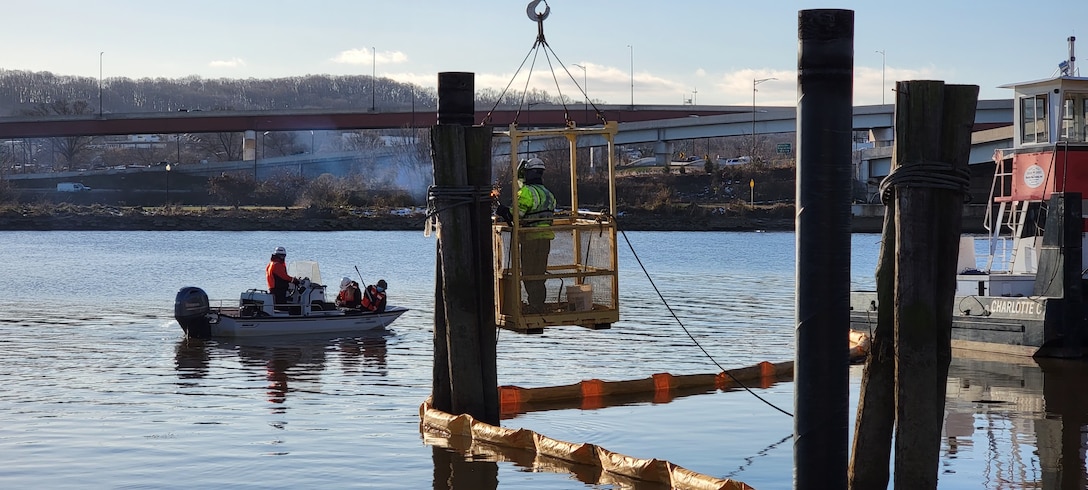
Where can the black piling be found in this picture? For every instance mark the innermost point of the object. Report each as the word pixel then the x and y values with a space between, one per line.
pixel 1060 261
pixel 465 373
pixel 824 124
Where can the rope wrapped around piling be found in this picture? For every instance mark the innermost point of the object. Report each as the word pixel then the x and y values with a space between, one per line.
pixel 933 175
pixel 442 198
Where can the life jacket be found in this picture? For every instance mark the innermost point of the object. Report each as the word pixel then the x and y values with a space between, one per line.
pixel 537 206
pixel 373 299
pixel 348 298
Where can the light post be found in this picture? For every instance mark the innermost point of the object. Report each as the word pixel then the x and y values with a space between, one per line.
pixel 373 78
pixel 754 83
pixel 177 138
pixel 264 151
pixel 529 114
pixel 585 90
pixel 632 48
pixel 100 53
pixel 882 59
pixel 167 184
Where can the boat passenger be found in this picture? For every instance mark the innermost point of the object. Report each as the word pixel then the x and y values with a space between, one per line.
pixel 350 296
pixel 278 278
pixel 374 299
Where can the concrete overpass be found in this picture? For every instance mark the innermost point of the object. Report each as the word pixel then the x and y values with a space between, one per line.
pixel 660 125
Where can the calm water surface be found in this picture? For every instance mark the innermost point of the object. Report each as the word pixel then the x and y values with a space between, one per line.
pixel 100 390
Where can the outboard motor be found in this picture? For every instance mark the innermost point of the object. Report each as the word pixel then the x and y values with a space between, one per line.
pixel 191 310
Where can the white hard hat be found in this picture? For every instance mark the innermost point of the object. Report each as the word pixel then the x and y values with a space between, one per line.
pixel 534 163
pixel 279 251
pixel 345 282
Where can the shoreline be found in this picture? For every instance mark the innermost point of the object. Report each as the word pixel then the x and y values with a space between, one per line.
pixel 109 218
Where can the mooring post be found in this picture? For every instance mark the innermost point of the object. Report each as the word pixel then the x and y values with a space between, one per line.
pixel 825 63
pixel 1060 260
pixel 875 421
pixel 465 373
pixel 930 182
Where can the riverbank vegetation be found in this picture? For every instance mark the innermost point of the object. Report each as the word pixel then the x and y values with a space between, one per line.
pixel 750 198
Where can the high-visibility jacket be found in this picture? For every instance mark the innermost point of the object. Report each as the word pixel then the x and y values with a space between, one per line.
pixel 276 274
pixel 536 205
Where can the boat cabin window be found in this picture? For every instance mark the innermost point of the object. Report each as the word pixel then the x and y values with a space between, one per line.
pixel 1074 108
pixel 1033 119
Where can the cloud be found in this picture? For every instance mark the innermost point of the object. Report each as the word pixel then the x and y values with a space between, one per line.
pixel 231 63
pixel 364 56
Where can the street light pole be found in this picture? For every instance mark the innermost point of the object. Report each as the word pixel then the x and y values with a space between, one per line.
pixel 632 48
pixel 177 138
pixel 585 90
pixel 754 83
pixel 168 184
pixel 100 53
pixel 373 78
pixel 882 64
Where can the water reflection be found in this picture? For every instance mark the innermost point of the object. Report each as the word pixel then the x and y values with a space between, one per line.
pixel 290 363
pixel 1022 420
pixel 191 359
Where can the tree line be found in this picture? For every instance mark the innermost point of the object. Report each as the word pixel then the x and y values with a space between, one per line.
pixel 24 91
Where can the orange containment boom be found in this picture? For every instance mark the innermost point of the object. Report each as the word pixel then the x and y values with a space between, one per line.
pixel 659 388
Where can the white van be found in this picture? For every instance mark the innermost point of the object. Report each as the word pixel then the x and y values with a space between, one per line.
pixel 71 187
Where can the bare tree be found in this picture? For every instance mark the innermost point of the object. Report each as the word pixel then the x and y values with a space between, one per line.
pixel 224 147
pixel 68 146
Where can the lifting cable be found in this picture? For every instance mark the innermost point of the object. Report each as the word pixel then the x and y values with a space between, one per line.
pixel 685 329
pixel 534 51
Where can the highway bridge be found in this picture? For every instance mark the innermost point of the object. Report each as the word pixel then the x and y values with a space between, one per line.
pixel 663 126
pixel 638 124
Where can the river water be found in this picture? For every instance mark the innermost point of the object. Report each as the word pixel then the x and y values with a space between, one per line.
pixel 100 390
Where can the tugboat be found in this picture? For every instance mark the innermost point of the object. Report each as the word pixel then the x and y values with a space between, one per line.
pixel 1020 289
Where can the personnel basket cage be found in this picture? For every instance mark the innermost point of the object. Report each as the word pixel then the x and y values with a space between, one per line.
pixel 580 282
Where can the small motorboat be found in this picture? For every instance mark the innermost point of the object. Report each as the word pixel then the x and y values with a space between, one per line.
pixel 307 311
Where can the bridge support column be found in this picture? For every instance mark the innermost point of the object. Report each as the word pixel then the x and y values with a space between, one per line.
pixel 663 152
pixel 249 146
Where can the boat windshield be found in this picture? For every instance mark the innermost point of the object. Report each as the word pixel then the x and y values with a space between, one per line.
pixel 305 268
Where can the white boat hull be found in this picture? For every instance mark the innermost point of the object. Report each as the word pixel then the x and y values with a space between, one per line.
pixel 256 317
pixel 224 324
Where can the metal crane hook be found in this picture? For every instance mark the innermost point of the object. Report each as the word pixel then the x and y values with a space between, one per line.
pixel 531 11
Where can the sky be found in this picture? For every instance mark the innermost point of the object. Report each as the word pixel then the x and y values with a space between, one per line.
pixel 704 52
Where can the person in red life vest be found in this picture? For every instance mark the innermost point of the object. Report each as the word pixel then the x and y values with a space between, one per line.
pixel 350 296
pixel 374 299
pixel 278 279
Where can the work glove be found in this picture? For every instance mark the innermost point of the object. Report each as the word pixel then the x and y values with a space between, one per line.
pixel 503 212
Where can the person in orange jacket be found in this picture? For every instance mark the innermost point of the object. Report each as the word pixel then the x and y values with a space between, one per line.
pixel 350 296
pixel 278 279
pixel 374 299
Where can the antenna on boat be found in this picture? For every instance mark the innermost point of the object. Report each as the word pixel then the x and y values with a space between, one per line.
pixel 1072 57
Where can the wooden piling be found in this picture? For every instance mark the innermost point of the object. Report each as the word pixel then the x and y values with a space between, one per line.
pixel 920 247
pixel 875 419
pixel 928 223
pixel 465 378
